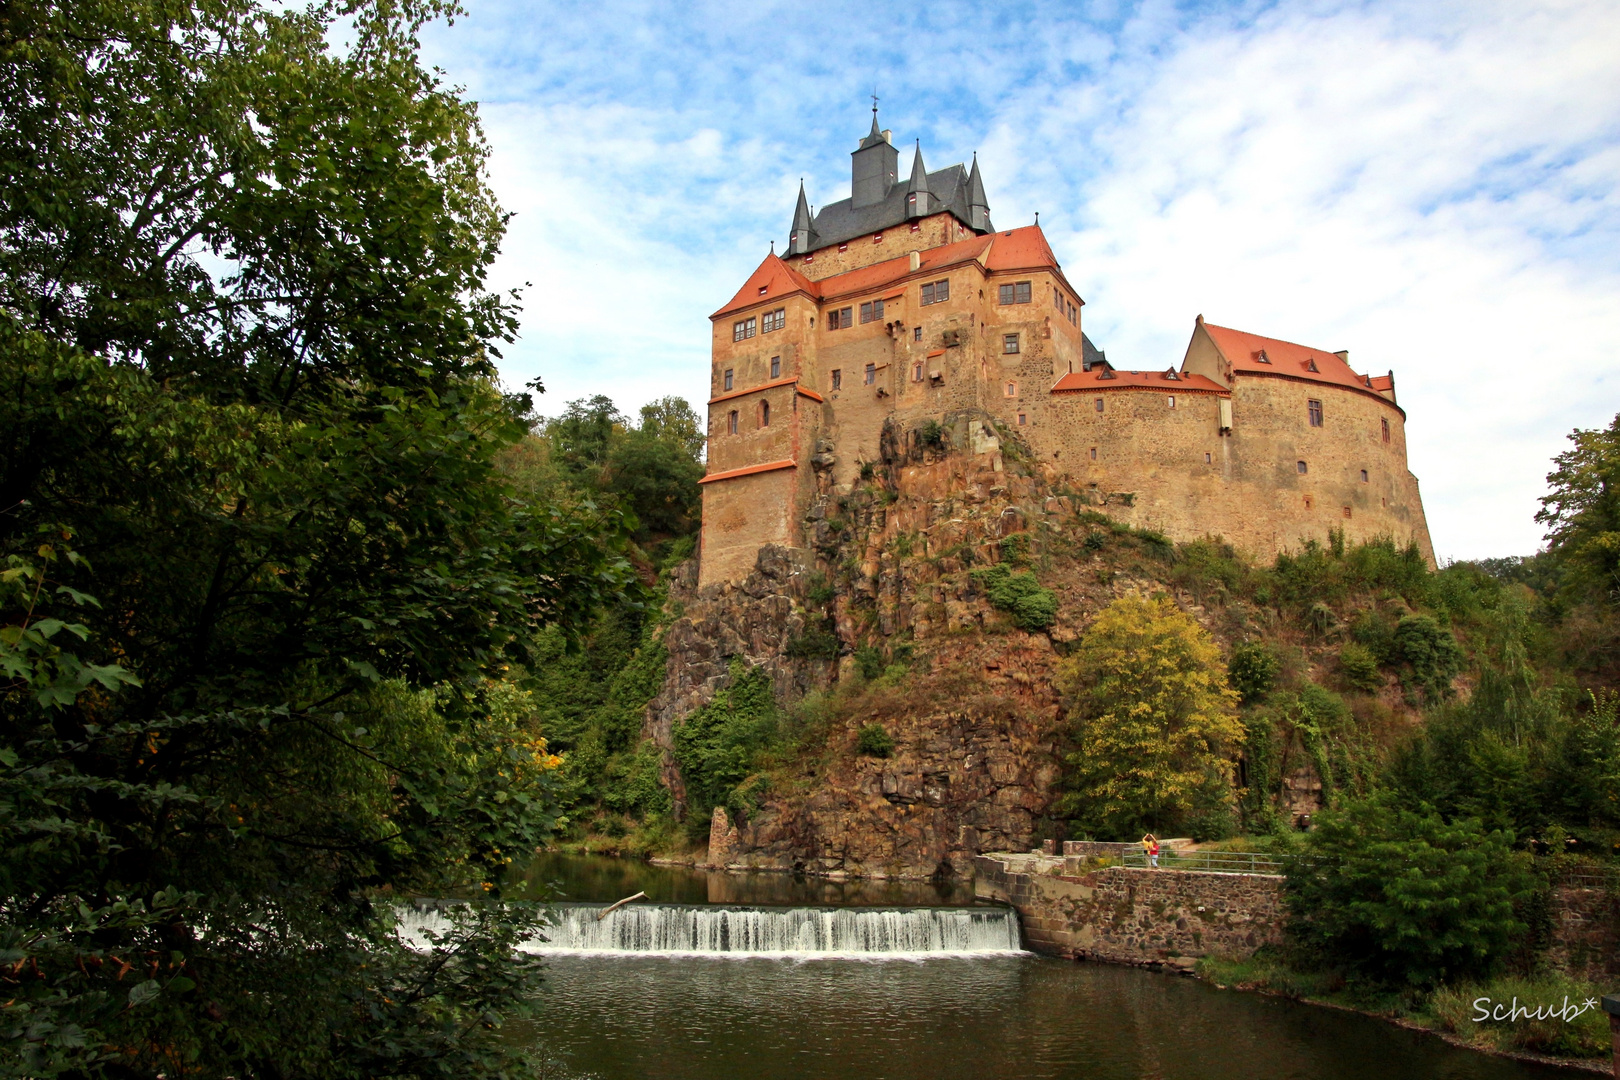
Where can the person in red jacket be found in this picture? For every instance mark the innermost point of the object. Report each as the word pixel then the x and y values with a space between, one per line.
pixel 1150 845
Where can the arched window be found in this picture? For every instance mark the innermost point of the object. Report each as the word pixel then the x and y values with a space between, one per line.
pixel 731 424
pixel 764 414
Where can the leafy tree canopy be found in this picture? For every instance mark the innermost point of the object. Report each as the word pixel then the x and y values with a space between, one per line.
pixel 266 600
pixel 1582 514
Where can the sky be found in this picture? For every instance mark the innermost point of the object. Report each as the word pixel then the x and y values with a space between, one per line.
pixel 1433 186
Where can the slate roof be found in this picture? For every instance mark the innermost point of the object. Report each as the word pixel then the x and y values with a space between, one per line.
pixel 1090 355
pixel 839 222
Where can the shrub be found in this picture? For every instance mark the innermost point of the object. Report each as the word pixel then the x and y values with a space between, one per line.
pixel 874 740
pixel 869 662
pixel 716 744
pixel 816 643
pixel 1253 670
pixel 1430 655
pixel 1152 718
pixel 931 435
pixel 1460 1010
pixel 1360 668
pixel 1404 897
pixel 1020 595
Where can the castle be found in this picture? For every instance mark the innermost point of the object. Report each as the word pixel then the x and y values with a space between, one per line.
pixel 903 304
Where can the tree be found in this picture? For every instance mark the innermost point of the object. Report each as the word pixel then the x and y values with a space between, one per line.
pixel 1405 897
pixel 656 467
pixel 265 593
pixel 1153 721
pixel 1582 514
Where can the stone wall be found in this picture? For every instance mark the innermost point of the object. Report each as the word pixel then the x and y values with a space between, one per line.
pixel 1586 933
pixel 1133 916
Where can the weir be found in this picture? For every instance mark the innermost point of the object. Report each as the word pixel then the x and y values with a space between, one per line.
pixel 708 930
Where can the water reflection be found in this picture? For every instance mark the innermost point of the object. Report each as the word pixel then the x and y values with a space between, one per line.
pixel 990 1019
pixel 600 878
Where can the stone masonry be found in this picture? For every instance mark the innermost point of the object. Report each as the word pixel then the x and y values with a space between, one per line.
pixel 1128 915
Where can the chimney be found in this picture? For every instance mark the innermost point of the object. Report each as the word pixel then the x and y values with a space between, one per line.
pixel 916 260
pixel 1343 354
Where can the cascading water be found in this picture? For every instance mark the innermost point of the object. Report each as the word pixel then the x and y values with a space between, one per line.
pixel 680 929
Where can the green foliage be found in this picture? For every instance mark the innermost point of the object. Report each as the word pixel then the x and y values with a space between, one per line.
pixel 1360 668
pixel 931 435
pixel 1402 896
pixel 246 353
pixel 1153 721
pixel 715 746
pixel 1582 515
pixel 1533 1025
pixel 817 642
pixel 1253 670
pixel 1429 655
pixel 869 662
pixel 1015 549
pixel 1019 594
pixel 874 740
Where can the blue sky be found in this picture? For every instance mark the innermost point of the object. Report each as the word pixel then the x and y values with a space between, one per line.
pixel 1434 186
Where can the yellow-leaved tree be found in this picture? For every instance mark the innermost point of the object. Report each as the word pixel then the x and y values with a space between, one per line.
pixel 1153 723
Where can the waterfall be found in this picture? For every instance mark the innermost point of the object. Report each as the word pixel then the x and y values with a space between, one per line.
pixel 689 929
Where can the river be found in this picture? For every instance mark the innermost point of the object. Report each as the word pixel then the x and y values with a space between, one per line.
pixel 905 982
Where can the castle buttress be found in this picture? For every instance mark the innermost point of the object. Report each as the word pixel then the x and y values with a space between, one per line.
pixel 904 304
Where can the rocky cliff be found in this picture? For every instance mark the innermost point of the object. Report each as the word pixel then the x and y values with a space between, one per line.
pixel 970 709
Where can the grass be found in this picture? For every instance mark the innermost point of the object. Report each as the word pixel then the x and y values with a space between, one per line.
pixel 1449 1009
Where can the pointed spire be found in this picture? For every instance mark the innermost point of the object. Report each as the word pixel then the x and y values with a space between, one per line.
pixel 978 205
pixel 919 200
pixel 802 238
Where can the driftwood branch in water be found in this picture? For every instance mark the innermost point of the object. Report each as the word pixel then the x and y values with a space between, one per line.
pixel 600 915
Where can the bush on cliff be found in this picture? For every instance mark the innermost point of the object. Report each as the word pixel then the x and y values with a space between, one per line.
pixel 1032 607
pixel 1153 721
pixel 716 745
pixel 874 740
pixel 1405 897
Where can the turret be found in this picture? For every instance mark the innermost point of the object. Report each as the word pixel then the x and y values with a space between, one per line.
pixel 874 167
pixel 919 200
pixel 802 238
pixel 978 205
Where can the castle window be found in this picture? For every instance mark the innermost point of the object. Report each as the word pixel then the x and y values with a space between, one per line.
pixel 917 372
pixel 1206 457
pixel 1099 409
pixel 1386 429
pixel 1299 467
pixel 1011 390
pixel 764 414
pixel 916 333
pixel 774 320
pixel 731 424
pixel 872 311
pixel 776 367
pixel 1015 292
pixel 1313 409
pixel 1093 453
pixel 1307 502
pixel 1363 476
pixel 728 378
pixel 837 379
pixel 1022 420
pixel 1009 343
pixel 1347 511
pixel 936 292
pixel 743 328
pixel 1172 400
pixel 840 319
pixel 871 374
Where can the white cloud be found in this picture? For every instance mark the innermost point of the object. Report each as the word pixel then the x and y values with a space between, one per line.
pixel 1433 187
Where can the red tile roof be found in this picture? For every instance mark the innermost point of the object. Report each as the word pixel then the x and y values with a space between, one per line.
pixel 1021 249
pixel 755 389
pixel 749 470
pixel 1244 351
pixel 1183 383
pixel 777 278
pixel 878 275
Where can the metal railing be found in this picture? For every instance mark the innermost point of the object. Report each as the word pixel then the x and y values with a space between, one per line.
pixel 1219 862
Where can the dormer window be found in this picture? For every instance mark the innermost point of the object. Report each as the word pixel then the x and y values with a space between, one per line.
pixel 843 247
pixel 916 227
pixel 1310 365
pixel 877 238
pixel 763 289
pixel 1262 357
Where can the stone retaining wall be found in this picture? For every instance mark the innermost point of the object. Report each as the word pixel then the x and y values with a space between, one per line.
pixel 1128 915
pixel 1585 933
